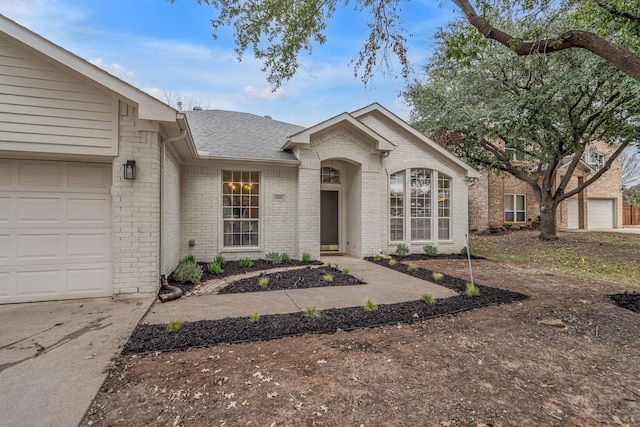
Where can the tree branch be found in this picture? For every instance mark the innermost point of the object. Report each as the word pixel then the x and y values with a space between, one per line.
pixel 618 56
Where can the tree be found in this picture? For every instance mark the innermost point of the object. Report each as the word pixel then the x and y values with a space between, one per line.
pixel 632 196
pixel 630 168
pixel 181 103
pixel 525 116
pixel 277 31
pixel 607 28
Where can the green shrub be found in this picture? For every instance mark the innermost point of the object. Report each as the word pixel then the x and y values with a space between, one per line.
pixel 188 258
pixel 285 258
pixel 437 276
pixel 430 250
pixel 245 262
pixel 376 257
pixel 174 326
pixel 472 291
pixel 393 262
pixel 214 268
pixel 369 305
pixel 327 278
pixel 306 258
pixel 428 298
pixel 402 250
pixel 254 317
pixel 263 282
pixel 463 251
pixel 312 312
pixel 345 271
pixel 188 272
pixel 273 258
pixel 411 268
pixel 220 260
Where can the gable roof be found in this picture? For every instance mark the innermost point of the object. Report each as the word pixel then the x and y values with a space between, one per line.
pixel 149 108
pixel 242 136
pixel 379 110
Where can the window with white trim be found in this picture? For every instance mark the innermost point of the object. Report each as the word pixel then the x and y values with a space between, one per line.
pixel 240 208
pixel 420 204
pixel 396 206
pixel 515 208
pixel 444 207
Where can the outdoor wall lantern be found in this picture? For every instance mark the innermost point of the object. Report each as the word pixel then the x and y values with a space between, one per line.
pixel 130 169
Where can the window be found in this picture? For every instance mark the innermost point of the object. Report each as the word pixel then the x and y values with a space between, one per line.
pixel 420 204
pixel 396 210
pixel 514 150
pixel 240 208
pixel 329 175
pixel 593 157
pixel 444 207
pixel 515 208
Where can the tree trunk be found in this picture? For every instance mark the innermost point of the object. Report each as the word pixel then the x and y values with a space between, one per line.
pixel 548 218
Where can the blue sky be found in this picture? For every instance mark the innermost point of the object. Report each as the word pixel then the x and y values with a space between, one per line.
pixel 161 47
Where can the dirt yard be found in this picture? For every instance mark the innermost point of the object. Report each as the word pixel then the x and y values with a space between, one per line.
pixel 566 356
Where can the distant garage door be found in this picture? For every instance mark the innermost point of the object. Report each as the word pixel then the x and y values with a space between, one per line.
pixel 572 214
pixel 601 213
pixel 55 230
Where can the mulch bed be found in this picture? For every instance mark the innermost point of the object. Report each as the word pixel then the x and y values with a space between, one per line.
pixel 205 333
pixel 628 301
pixel 292 279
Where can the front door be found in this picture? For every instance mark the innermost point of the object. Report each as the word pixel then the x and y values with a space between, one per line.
pixel 329 240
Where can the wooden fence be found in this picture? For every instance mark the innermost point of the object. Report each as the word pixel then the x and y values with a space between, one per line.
pixel 631 215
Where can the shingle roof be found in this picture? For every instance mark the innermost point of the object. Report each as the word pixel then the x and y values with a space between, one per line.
pixel 239 135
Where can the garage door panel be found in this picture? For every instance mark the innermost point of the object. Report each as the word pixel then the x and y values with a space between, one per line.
pixel 7 247
pixel 88 246
pixel 40 282
pixel 601 213
pixel 88 211
pixel 89 176
pixel 88 279
pixel 39 247
pixel 7 285
pixel 5 172
pixel 32 174
pixel 43 210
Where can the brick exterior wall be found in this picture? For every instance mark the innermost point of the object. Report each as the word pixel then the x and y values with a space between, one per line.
pixel 171 212
pixel 201 210
pixel 486 196
pixel 136 210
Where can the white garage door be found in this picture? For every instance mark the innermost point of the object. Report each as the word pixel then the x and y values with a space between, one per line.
pixel 601 213
pixel 55 230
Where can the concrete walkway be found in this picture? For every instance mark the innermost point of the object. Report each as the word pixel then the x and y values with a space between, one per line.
pixel 384 286
pixel 54 356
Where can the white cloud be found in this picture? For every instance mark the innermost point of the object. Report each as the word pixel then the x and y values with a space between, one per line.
pixel 267 94
pixel 116 70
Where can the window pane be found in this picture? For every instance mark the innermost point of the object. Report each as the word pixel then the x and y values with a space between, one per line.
pixel 420 229
pixel 508 202
pixel 241 208
pixel 508 217
pixel 444 207
pixel 443 229
pixel 520 217
pixel 396 206
pixel 396 228
pixel 520 202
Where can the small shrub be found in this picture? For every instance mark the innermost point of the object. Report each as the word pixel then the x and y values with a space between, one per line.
pixel 245 262
pixel 472 291
pixel 345 271
pixel 327 278
pixel 273 258
pixel 411 268
pixel 174 326
pixel 402 250
pixel 392 262
pixel 285 258
pixel 312 312
pixel 430 250
pixel 214 268
pixel 437 276
pixel 220 260
pixel 464 252
pixel 376 257
pixel 428 298
pixel 254 317
pixel 306 258
pixel 188 258
pixel 263 282
pixel 369 305
pixel 188 272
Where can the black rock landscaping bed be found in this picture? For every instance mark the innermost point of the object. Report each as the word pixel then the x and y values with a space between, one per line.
pixel 627 300
pixel 300 278
pixel 205 333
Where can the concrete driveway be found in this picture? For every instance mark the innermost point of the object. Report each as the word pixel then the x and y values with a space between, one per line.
pixel 54 355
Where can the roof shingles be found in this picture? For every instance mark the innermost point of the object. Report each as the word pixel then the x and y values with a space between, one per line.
pixel 229 134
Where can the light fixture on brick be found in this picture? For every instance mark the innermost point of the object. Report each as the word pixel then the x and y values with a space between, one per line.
pixel 130 169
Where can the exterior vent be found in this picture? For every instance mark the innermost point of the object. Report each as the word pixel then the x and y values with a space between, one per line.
pixel 267 117
pixel 197 108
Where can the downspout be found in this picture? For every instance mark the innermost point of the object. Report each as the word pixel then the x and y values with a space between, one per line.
pixel 175 292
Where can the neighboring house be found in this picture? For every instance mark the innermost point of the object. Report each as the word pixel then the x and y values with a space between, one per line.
pixel 73 224
pixel 498 198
